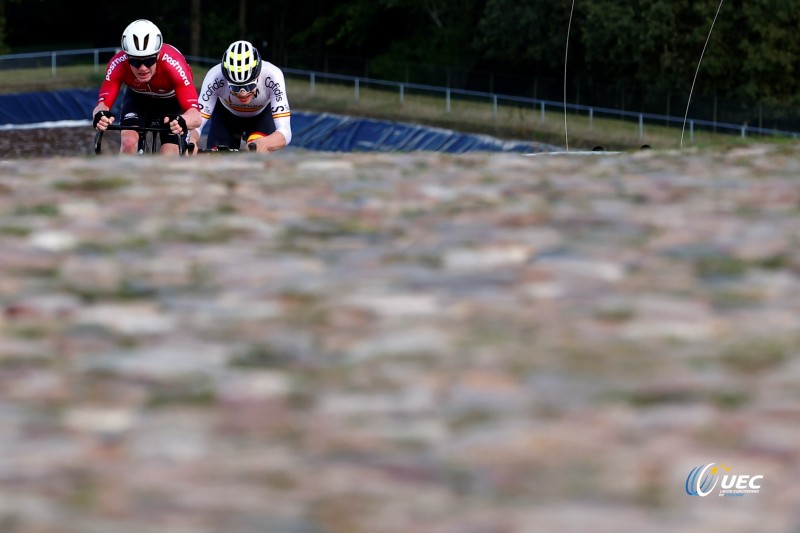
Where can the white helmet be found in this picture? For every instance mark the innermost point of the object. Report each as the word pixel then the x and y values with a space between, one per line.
pixel 241 63
pixel 141 38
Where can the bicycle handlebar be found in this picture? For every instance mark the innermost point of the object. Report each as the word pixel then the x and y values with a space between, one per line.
pixel 142 130
pixel 222 149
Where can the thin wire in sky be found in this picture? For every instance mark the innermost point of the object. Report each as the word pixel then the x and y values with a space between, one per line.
pixel 566 55
pixel 688 103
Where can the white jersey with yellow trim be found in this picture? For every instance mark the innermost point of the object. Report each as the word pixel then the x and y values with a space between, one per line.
pixel 271 93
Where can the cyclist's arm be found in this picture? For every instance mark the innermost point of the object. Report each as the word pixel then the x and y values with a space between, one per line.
pixel 281 113
pixel 109 89
pixel 102 121
pixel 213 85
pixel 277 139
pixel 283 126
pixel 180 75
pixel 191 117
pixel 100 107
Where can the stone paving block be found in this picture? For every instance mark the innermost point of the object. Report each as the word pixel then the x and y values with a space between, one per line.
pixel 398 342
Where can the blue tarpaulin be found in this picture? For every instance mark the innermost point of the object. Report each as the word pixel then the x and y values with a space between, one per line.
pixel 34 108
pixel 312 131
pixel 348 134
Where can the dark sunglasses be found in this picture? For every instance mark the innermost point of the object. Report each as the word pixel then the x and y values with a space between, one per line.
pixel 246 88
pixel 137 62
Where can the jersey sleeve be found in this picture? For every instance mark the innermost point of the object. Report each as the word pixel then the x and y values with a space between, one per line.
pixel 113 80
pixel 180 73
pixel 209 94
pixel 281 112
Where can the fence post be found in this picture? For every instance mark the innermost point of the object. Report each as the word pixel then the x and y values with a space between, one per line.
pixel 716 125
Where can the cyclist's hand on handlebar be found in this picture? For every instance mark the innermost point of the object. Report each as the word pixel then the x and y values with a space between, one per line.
pixel 177 124
pixel 102 119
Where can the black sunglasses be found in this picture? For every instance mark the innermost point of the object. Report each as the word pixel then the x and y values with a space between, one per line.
pixel 137 62
pixel 246 88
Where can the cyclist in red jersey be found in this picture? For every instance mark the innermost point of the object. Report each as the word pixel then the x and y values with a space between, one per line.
pixel 159 84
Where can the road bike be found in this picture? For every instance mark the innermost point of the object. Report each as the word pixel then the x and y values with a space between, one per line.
pixel 192 148
pixel 148 137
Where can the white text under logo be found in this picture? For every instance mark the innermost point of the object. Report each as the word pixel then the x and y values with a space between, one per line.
pixel 703 479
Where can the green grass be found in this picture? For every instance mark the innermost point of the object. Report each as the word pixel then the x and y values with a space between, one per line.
pixel 505 121
pixel 517 121
pixel 42 79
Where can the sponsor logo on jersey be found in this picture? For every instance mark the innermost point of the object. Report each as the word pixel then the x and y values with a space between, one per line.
pixel 218 83
pixel 174 63
pixel 114 64
pixel 276 89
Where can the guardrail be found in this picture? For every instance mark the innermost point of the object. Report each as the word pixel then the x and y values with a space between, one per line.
pixel 54 56
pixel 545 105
pixel 493 99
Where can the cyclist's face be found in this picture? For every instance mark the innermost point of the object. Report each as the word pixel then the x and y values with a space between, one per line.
pixel 245 91
pixel 245 97
pixel 143 72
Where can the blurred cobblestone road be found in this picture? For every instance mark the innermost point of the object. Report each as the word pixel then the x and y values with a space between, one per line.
pixel 383 342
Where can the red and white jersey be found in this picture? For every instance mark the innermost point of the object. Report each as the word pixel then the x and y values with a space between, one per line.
pixel 270 95
pixel 173 77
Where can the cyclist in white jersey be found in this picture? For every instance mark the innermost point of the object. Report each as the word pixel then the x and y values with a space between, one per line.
pixel 254 106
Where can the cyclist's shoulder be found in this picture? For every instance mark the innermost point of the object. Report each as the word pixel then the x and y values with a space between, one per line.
pixel 271 68
pixel 118 57
pixel 215 72
pixel 273 76
pixel 171 52
pixel 174 67
pixel 214 81
pixel 173 56
pixel 112 68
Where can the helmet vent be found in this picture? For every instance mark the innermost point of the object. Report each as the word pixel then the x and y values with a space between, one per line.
pixel 241 63
pixel 142 46
pixel 142 38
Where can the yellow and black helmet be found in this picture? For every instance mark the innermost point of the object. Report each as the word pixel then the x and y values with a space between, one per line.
pixel 241 63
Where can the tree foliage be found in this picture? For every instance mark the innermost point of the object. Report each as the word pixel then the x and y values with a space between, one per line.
pixel 650 44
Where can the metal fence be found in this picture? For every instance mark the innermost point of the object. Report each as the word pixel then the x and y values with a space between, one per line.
pixel 98 57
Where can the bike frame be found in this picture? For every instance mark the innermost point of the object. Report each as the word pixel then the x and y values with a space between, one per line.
pixel 192 148
pixel 143 131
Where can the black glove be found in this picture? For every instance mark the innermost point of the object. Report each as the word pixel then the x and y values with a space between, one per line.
pixel 99 115
pixel 181 122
